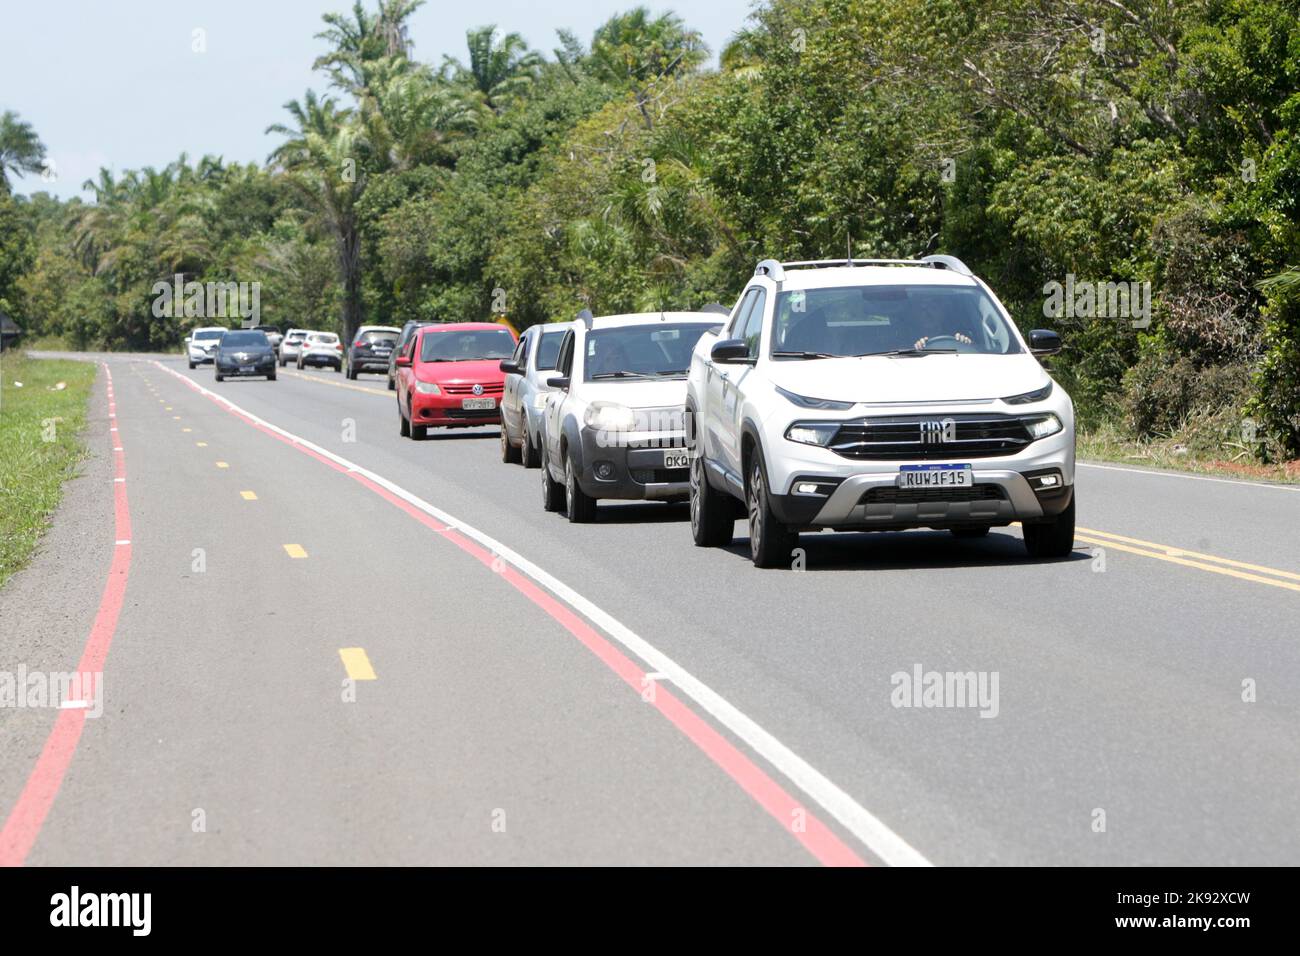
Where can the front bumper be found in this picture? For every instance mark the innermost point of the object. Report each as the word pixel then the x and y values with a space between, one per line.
pixel 446 411
pixel 630 466
pixel 201 358
pixel 262 366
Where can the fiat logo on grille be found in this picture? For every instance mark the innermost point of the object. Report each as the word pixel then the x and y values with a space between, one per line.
pixel 478 389
pixel 936 431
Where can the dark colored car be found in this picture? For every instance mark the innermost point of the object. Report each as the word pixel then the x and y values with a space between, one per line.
pixel 371 349
pixel 243 352
pixel 408 330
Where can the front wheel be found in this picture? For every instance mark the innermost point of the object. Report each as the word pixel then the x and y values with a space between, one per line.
pixel 713 522
pixel 581 506
pixel 403 425
pixel 191 365
pixel 528 455
pixel 770 541
pixel 1052 539
pixel 220 377
pixel 271 377
pixel 552 490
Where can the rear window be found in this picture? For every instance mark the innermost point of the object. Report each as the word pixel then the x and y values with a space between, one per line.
pixel 466 345
pixel 205 334
pixel 244 339
pixel 296 336
pixel 379 338
pixel 325 338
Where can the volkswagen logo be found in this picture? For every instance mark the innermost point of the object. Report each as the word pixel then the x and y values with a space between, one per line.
pixel 478 389
pixel 936 431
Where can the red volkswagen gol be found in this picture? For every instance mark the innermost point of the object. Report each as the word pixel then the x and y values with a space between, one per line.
pixel 449 376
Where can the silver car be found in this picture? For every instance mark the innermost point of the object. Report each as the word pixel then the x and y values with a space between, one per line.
pixel 527 370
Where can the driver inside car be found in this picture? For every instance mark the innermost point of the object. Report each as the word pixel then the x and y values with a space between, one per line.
pixel 938 327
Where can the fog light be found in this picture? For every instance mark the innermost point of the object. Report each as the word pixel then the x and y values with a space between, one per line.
pixel 1048 481
pixel 806 488
pixel 605 470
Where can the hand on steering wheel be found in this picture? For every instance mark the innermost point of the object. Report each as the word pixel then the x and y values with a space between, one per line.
pixel 957 337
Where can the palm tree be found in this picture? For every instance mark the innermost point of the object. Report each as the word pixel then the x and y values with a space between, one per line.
pixel 633 50
pixel 21 151
pixel 362 42
pixel 326 158
pixel 498 70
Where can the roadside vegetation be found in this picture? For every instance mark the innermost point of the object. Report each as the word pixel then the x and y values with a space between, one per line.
pixel 1071 141
pixel 42 411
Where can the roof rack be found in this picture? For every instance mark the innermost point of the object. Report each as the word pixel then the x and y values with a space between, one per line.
pixel 776 270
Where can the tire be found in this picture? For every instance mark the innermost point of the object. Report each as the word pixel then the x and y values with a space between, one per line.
pixel 580 506
pixel 552 490
pixel 528 456
pixel 770 542
pixel 220 377
pixel 418 432
pixel 191 365
pixel 271 377
pixel 403 426
pixel 977 532
pixel 1052 539
pixel 713 518
pixel 352 373
pixel 392 386
pixel 509 453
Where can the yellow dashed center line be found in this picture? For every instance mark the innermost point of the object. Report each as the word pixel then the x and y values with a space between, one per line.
pixel 356 663
pixel 295 551
pixel 1172 552
pixel 248 495
pixel 186 429
pixel 201 444
pixel 222 464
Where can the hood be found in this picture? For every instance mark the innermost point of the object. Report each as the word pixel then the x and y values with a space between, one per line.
pixel 932 378
pixel 468 373
pixel 637 394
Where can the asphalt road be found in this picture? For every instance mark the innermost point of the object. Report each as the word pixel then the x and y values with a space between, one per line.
pixel 1147 705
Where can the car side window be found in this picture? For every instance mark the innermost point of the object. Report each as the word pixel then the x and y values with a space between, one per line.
pixel 742 315
pixel 410 347
pixel 521 351
pixel 564 365
pixel 752 330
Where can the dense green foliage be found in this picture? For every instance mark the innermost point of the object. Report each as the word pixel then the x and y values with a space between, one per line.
pixel 1140 141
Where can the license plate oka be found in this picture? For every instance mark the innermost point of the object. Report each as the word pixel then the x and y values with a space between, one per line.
pixel 245 369
pixel 383 353
pixel 677 458
pixel 478 404
pixel 936 476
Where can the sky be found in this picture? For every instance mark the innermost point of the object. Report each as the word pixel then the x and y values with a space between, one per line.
pixel 118 83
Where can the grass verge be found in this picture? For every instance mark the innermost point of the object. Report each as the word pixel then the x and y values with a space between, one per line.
pixel 40 446
pixel 1107 444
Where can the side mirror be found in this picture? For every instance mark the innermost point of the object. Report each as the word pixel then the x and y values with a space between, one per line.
pixel 510 367
pixel 731 352
pixel 1044 342
pixel 559 381
pixel 403 361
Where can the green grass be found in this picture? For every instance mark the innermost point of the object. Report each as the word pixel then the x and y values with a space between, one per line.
pixel 40 447
pixel 1178 453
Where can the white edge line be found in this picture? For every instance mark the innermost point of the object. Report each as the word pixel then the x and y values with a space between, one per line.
pixel 1176 474
pixel 874 833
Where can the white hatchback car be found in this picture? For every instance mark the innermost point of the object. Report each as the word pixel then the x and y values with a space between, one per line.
pixel 613 426
pixel 321 348
pixel 201 344
pixel 877 395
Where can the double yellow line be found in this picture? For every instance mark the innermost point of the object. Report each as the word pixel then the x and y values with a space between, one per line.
pixel 1191 559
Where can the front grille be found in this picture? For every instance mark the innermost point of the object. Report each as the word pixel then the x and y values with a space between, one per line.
pixel 483 414
pixel 659 476
pixel 916 496
pixel 495 389
pixel 898 439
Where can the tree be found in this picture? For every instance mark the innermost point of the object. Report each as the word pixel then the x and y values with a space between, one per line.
pixel 21 151
pixel 499 70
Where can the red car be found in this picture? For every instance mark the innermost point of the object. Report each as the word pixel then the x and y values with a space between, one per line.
pixel 449 376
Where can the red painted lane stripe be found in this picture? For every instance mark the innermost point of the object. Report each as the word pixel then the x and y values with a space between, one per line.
pixel 25 820
pixel 793 816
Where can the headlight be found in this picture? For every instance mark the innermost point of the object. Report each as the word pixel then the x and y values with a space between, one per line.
pixel 825 404
pixel 812 433
pixel 609 417
pixel 1028 398
pixel 427 388
pixel 1042 426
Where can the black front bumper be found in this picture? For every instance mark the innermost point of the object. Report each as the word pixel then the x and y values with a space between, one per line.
pixel 634 472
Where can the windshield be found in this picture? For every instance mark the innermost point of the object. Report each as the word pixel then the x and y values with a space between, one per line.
pixel 548 349
pixel 874 320
pixel 296 336
pixel 642 351
pixel 253 338
pixel 468 345
pixel 205 334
